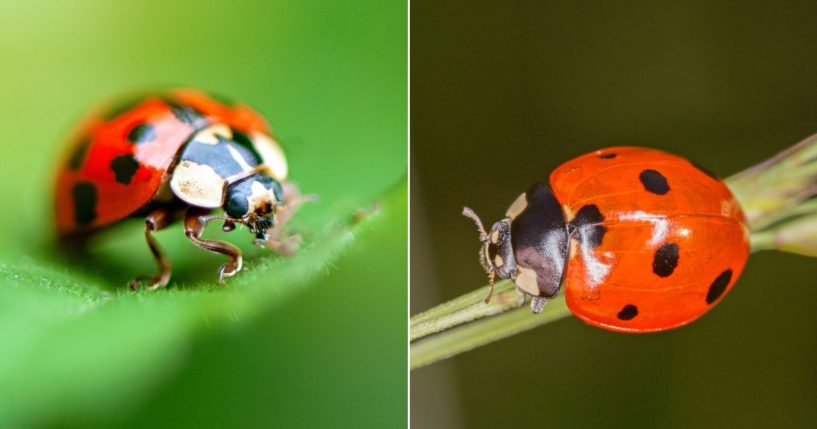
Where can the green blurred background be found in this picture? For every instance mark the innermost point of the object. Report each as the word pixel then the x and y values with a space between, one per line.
pixel 316 341
pixel 504 92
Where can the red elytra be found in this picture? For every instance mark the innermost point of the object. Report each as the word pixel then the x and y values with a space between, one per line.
pixel 640 240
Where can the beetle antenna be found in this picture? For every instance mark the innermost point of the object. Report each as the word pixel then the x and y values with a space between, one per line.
pixel 467 212
pixel 491 290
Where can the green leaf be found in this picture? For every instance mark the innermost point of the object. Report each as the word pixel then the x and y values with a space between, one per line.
pixel 73 345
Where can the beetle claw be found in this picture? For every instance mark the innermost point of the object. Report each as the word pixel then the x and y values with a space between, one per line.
pixel 229 269
pixel 151 282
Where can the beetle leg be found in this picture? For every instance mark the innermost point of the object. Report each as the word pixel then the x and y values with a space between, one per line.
pixel 195 221
pixel 155 221
pixel 537 304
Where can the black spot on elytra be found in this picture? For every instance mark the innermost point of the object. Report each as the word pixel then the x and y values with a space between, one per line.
pixel 85 198
pixel 705 170
pixel 142 133
pixel 184 113
pixel 610 155
pixel 628 312
pixel 665 260
pixel 718 286
pixel 654 182
pixel 124 167
pixel 588 225
pixel 77 158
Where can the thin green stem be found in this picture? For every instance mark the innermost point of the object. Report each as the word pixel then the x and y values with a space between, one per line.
pixel 484 331
pixel 765 240
pixel 466 308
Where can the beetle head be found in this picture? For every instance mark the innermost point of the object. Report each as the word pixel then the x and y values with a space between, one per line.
pixel 496 254
pixel 254 202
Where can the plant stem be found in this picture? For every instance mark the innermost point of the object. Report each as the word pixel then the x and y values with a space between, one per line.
pixel 466 308
pixel 484 331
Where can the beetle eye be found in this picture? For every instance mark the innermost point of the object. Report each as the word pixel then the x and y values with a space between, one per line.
pixel 236 206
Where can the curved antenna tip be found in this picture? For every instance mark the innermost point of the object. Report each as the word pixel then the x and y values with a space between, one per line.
pixel 467 212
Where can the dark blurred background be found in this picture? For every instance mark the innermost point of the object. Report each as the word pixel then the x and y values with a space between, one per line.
pixel 503 92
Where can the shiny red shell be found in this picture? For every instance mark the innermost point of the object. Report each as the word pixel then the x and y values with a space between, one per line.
pixel 118 162
pixel 674 241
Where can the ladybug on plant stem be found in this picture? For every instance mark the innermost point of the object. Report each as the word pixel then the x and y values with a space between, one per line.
pixel 642 240
pixel 172 155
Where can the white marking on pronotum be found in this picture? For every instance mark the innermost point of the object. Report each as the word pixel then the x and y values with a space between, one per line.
pixel 238 158
pixel 209 135
pixel 198 185
pixel 526 280
pixel 272 155
pixel 517 207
